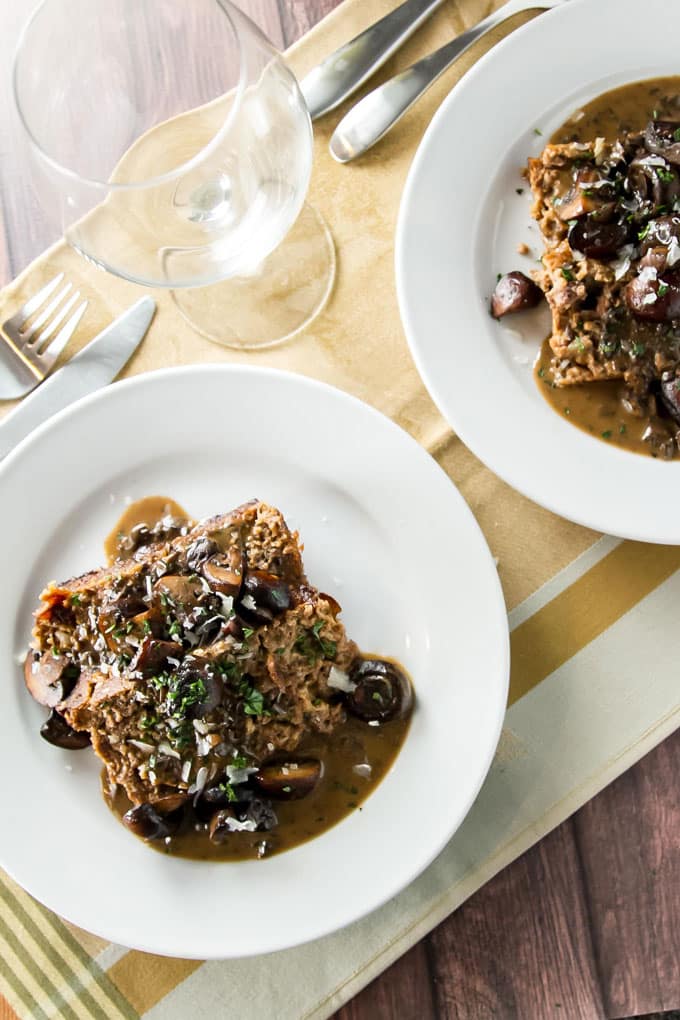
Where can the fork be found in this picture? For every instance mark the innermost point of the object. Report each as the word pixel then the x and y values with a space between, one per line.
pixel 30 348
pixel 373 116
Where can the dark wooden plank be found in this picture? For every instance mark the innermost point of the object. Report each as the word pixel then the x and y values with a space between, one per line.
pixel 629 841
pixel 403 991
pixel 520 948
pixel 298 16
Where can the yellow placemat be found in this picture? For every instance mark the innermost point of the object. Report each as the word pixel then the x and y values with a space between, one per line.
pixel 579 714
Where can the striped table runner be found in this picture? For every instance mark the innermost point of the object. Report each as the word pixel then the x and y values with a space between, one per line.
pixel 595 641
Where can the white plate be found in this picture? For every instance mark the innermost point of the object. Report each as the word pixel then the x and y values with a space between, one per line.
pixel 384 530
pixel 459 225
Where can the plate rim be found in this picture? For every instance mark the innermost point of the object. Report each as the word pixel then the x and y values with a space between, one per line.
pixel 498 618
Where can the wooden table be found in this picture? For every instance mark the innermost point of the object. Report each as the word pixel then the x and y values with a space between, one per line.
pixel 584 925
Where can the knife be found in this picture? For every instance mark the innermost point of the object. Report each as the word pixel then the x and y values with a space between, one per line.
pixel 344 71
pixel 96 365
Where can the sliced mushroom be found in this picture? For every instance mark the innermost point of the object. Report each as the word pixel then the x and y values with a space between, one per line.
pixel 382 691
pixel 181 591
pixel 335 606
pixel 224 571
pixel 152 656
pixel 263 596
pixel 654 298
pixel 148 622
pixel 588 193
pixel 49 678
pixel 220 829
pixel 200 686
pixel 597 240
pixel 257 816
pixel 670 397
pixel 212 799
pixel 55 730
pixel 170 802
pixel 199 551
pixel 660 232
pixel 662 137
pixel 145 821
pixel 288 780
pixel 128 605
pixel 513 293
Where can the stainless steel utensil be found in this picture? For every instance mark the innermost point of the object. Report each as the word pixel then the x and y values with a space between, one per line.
pixel 373 116
pixel 96 365
pixel 341 74
pixel 30 349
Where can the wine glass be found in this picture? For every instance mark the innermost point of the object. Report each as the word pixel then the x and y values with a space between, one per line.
pixel 174 145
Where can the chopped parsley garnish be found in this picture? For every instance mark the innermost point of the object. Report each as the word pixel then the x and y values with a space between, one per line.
pixel 663 289
pixel 622 430
pixel 239 762
pixel 147 722
pixel 607 434
pixel 248 632
pixel 541 373
pixel 664 174
pixel 253 700
pixel 75 600
pixel 639 348
pixel 229 792
pixel 313 646
pixel 287 789
pixel 537 131
pixel 377 696
pixel 567 274
pixel 643 233
pixel 146 626
pixel 175 630
pixel 676 134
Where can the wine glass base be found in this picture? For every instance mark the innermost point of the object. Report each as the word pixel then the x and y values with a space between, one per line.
pixel 281 297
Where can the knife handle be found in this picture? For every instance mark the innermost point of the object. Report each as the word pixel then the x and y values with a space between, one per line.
pixel 348 68
pixel 374 115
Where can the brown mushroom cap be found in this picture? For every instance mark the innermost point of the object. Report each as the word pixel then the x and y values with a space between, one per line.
pixel 49 678
pixel 224 571
pixel 55 730
pixel 288 780
pixel 382 691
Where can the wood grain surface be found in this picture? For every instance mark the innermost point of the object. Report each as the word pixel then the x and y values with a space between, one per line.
pixel 586 925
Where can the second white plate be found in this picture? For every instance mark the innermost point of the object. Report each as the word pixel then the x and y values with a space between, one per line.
pixel 460 222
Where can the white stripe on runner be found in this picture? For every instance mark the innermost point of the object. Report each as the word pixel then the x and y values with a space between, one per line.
pixel 560 582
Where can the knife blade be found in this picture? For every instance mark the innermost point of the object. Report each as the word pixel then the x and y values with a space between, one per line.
pixel 96 365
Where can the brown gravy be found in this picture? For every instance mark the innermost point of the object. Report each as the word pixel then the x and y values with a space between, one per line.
pixel 340 791
pixel 355 757
pixel 596 407
pixel 147 511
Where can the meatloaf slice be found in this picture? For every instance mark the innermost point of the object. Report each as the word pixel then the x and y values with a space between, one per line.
pixel 609 213
pixel 196 651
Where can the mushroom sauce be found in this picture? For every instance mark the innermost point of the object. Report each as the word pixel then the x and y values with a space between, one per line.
pixel 354 758
pixel 600 407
